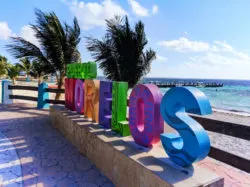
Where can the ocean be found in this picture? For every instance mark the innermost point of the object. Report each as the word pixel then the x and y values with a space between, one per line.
pixel 234 96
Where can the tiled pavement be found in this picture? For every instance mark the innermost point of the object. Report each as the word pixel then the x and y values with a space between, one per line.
pixel 46 157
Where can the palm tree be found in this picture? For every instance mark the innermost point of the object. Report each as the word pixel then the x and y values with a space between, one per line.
pixel 13 72
pixel 26 66
pixel 121 53
pixel 37 71
pixel 58 45
pixel 3 65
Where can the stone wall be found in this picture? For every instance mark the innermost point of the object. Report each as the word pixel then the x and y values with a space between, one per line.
pixel 123 161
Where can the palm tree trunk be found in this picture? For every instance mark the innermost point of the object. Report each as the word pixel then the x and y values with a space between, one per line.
pixel 39 80
pixel 27 78
pixel 60 85
pixel 13 81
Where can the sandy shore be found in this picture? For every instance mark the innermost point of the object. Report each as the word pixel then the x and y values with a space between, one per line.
pixel 29 93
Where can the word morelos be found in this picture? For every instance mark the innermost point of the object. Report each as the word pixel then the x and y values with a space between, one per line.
pixel 105 102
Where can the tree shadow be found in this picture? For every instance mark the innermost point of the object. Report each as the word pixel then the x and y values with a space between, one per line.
pixel 162 167
pixel 46 156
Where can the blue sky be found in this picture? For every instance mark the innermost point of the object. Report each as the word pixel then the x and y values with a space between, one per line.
pixel 193 39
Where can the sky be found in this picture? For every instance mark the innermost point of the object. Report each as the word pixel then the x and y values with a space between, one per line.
pixel 192 39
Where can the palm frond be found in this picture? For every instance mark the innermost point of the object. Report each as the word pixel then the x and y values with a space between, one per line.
pixel 121 53
pixel 57 44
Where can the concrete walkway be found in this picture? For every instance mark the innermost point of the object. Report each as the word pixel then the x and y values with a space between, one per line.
pixel 32 153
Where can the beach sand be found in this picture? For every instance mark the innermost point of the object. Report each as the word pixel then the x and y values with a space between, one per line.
pixel 29 93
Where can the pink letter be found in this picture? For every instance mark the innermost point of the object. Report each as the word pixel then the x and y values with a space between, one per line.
pixel 67 105
pixel 79 96
pixel 70 93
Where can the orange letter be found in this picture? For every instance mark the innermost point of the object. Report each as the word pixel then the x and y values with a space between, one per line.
pixel 91 103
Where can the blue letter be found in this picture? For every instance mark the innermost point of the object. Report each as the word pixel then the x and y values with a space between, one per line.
pixel 192 144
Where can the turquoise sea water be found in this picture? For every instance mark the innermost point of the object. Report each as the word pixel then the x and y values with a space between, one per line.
pixel 233 96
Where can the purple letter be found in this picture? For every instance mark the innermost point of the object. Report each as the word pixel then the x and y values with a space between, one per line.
pixel 145 121
pixel 105 107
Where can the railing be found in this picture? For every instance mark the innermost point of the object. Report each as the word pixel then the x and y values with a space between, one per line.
pixel 226 128
pixel 213 125
pixel 230 129
pixel 42 100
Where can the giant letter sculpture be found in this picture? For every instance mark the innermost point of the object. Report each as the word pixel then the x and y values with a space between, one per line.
pixel 43 95
pixel 6 92
pixel 79 96
pixel 91 104
pixel 145 121
pixel 119 108
pixel 70 93
pixel 192 143
pixel 72 83
pixel 105 107
pixel 67 102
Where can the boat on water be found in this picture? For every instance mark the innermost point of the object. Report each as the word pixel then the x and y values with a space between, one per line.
pixel 182 83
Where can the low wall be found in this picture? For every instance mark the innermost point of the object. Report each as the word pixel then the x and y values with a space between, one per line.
pixel 232 125
pixel 123 161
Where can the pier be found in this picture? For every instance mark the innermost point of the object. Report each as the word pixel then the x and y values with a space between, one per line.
pixel 194 84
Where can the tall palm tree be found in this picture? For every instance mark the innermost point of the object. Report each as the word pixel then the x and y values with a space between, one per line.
pixel 58 45
pixel 13 72
pixel 37 71
pixel 3 65
pixel 26 66
pixel 121 53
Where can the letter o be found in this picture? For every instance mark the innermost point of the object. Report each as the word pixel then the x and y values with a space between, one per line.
pixel 145 121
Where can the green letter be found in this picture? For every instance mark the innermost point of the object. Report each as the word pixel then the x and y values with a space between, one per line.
pixel 119 108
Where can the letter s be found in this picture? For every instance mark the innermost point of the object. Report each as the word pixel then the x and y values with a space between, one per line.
pixel 192 144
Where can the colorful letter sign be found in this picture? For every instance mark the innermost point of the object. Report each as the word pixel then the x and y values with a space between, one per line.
pixel 70 93
pixel 66 83
pixel 79 96
pixel 82 70
pixel 119 108
pixel 192 143
pixel 106 103
pixel 145 121
pixel 91 105
pixel 105 107
pixel 6 92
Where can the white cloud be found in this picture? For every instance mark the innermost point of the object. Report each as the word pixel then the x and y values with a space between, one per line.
pixel 138 9
pixel 221 61
pixel 93 14
pixel 5 31
pixel 214 65
pixel 155 9
pixel 217 59
pixel 28 34
pixel 223 46
pixel 161 58
pixel 183 44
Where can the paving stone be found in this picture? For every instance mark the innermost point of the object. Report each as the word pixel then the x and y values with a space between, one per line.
pixel 44 156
